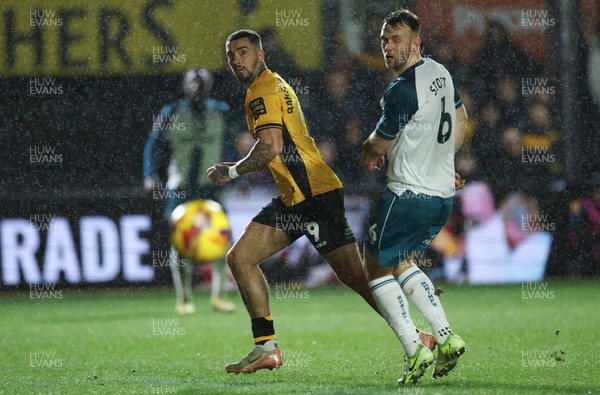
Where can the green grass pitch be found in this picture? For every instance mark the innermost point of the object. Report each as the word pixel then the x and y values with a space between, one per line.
pixel 519 341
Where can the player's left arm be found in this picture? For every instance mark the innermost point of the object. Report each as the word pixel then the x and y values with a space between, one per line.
pixel 461 125
pixel 373 150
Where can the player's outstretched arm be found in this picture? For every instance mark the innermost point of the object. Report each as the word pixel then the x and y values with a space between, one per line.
pixel 269 144
pixel 461 125
pixel 153 151
pixel 373 150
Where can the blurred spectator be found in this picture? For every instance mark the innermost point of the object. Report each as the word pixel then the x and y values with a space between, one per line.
pixel 514 170
pixel 500 57
pixel 543 139
pixel 512 246
pixel 510 103
pixel 276 58
pixel 442 51
pixel 485 141
pixel 192 131
pixel 339 125
pixel 584 232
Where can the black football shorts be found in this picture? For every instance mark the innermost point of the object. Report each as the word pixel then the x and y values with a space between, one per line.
pixel 321 218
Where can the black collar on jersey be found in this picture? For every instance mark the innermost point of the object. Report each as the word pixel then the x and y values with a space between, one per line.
pixel 266 68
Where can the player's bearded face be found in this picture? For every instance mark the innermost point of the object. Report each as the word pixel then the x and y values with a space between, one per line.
pixel 244 59
pixel 398 45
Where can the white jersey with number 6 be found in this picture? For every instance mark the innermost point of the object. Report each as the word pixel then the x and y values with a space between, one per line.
pixel 419 114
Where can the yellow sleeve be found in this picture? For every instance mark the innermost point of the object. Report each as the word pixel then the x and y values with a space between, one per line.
pixel 266 111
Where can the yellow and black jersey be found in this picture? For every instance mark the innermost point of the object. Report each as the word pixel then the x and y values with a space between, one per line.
pixel 299 170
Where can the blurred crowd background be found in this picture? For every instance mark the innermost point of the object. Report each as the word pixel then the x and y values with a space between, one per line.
pixel 531 152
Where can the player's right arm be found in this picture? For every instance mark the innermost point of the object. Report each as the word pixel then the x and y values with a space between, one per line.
pixel 269 143
pixel 399 105
pixel 373 150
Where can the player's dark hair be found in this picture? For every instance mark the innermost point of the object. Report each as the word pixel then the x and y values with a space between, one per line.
pixel 253 36
pixel 403 17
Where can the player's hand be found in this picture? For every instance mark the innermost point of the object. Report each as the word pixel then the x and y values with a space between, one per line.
pixel 219 173
pixel 372 164
pixel 459 183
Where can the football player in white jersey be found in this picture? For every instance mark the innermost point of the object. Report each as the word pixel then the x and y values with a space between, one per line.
pixel 421 128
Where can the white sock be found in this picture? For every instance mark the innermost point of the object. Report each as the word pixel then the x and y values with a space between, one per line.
pixel 394 308
pixel 218 275
pixel 417 286
pixel 188 279
pixel 174 263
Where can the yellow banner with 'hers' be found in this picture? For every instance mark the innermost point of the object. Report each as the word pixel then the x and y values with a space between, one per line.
pixel 113 37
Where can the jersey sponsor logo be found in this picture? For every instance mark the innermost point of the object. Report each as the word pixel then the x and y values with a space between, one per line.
pixel 257 106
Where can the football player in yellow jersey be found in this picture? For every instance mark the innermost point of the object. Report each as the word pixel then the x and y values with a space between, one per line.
pixel 311 202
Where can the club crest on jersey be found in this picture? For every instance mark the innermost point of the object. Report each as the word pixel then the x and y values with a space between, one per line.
pixel 257 106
